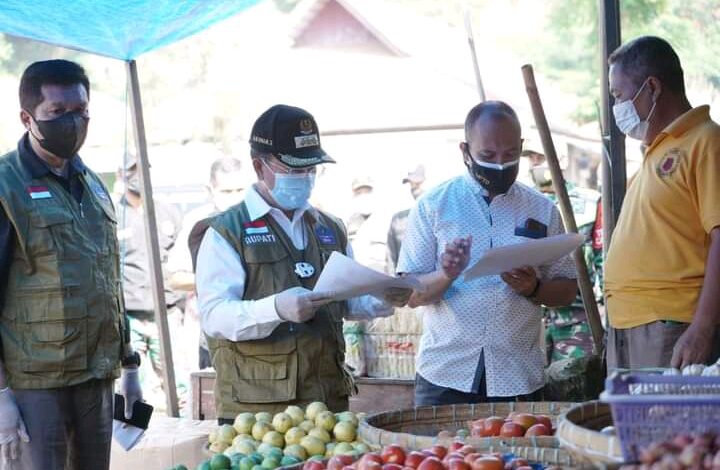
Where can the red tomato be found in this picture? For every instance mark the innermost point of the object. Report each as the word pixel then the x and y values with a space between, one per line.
pixel 488 463
pixel 370 461
pixel 493 425
pixel 440 451
pixel 526 420
pixel 470 458
pixel 414 459
pixel 458 464
pixel 538 430
pixel 456 446
pixel 393 454
pixel 466 449
pixel 392 466
pixel 546 420
pixel 431 463
pixel 512 430
pixel 313 465
pixel 339 461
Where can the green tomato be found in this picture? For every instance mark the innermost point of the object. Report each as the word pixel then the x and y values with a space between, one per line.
pixel 270 463
pixel 288 460
pixel 246 463
pixel 220 462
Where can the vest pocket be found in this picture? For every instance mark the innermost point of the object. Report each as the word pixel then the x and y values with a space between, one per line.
pixel 51 228
pixel 264 376
pixel 55 334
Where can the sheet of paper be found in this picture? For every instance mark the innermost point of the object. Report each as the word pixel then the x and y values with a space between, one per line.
pixel 531 253
pixel 345 278
pixel 126 435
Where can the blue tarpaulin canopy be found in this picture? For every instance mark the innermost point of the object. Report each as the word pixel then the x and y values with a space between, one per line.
pixel 122 29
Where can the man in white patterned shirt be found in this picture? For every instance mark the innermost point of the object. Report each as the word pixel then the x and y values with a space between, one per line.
pixel 482 338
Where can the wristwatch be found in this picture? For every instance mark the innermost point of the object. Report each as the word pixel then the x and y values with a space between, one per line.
pixel 131 360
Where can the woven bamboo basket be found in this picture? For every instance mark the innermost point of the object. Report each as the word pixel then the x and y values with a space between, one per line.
pixel 418 428
pixel 579 434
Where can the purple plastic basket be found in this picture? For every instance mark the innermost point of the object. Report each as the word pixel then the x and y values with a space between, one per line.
pixel 648 408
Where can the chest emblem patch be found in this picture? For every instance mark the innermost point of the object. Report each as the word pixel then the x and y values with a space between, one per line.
pixel 669 163
pixel 325 235
pixel 39 192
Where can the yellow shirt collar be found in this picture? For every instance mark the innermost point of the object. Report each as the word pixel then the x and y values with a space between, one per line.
pixel 687 121
pixel 681 125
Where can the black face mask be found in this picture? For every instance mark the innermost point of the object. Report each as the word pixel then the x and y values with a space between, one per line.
pixel 64 135
pixel 494 177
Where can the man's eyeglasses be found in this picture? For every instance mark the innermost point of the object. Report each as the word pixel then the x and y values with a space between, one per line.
pixel 277 166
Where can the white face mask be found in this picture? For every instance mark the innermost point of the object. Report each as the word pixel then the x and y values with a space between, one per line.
pixel 498 166
pixel 628 120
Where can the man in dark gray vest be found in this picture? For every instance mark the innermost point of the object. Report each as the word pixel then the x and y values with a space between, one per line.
pixel 62 327
pixel 273 341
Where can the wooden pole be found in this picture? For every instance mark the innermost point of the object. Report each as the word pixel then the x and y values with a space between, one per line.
pixel 614 173
pixel 473 54
pixel 586 290
pixel 151 236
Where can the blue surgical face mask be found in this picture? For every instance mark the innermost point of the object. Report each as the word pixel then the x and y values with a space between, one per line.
pixel 292 191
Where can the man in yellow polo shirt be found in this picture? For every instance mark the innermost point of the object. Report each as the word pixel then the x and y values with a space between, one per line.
pixel 663 266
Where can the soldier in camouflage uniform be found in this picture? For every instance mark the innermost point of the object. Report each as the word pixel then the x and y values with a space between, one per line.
pixel 573 372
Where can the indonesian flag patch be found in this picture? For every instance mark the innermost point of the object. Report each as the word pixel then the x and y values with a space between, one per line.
pixel 257 227
pixel 39 192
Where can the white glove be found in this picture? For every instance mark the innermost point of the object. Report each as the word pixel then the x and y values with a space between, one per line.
pixel 298 304
pixel 12 427
pixel 130 389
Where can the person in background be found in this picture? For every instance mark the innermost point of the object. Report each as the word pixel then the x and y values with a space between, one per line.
pixel 482 338
pixel 662 274
pixel 362 205
pixel 415 179
pixel 225 189
pixel 567 330
pixel 63 333
pixel 137 289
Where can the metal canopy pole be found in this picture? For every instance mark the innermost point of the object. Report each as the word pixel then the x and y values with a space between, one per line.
pixel 614 174
pixel 151 236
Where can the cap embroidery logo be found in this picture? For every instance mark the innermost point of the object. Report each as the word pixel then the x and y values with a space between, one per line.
pixel 306 126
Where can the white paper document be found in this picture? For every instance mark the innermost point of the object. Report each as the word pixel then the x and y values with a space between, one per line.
pixel 126 435
pixel 531 253
pixel 344 278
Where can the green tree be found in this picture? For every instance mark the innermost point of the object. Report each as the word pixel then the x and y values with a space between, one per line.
pixel 570 49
